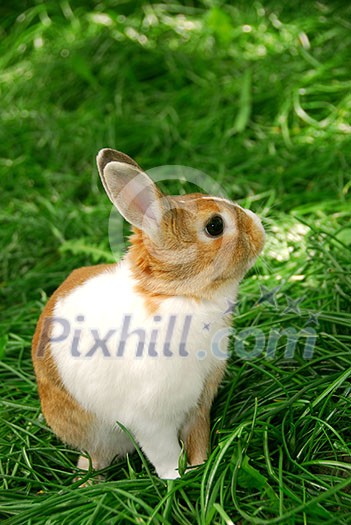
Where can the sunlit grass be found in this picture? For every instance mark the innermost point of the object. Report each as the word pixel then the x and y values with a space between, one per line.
pixel 257 97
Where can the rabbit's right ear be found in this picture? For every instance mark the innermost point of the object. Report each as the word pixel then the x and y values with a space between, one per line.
pixel 132 192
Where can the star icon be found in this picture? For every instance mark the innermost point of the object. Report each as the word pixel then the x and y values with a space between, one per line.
pixel 231 306
pixel 313 319
pixel 268 296
pixel 293 305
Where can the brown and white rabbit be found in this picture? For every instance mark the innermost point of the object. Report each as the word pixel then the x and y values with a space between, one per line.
pixel 142 342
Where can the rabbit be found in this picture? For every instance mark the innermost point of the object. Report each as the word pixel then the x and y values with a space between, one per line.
pixel 141 344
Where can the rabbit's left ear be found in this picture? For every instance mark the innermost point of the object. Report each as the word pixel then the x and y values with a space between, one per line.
pixel 132 192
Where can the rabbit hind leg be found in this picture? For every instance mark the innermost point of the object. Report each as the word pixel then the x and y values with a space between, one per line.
pixel 106 444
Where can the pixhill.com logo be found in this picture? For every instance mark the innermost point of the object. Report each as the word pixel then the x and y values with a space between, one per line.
pixel 167 336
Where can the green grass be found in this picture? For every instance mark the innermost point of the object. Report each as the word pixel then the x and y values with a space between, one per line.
pixel 258 96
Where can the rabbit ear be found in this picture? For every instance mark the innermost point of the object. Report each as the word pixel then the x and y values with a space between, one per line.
pixel 107 155
pixel 132 192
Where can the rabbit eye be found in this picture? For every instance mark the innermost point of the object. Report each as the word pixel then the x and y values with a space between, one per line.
pixel 215 226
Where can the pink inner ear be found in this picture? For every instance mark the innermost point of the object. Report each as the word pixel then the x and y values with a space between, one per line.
pixel 146 203
pixel 135 196
pixel 139 196
pixel 140 204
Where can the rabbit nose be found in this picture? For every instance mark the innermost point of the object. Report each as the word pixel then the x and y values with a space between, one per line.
pixel 254 230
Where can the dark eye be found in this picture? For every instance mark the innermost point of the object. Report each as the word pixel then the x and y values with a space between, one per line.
pixel 215 226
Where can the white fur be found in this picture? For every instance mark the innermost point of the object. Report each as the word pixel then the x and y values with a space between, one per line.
pixel 150 396
pixel 209 198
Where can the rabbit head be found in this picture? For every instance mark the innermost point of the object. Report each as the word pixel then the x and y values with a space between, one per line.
pixel 182 245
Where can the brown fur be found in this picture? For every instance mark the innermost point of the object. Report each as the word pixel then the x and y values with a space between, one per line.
pixel 172 267
pixel 246 224
pixel 196 432
pixel 110 155
pixel 63 414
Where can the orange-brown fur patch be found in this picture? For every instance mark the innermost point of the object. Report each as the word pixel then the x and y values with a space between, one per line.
pixel 256 237
pixel 62 413
pixel 172 267
pixel 196 432
pixel 159 274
